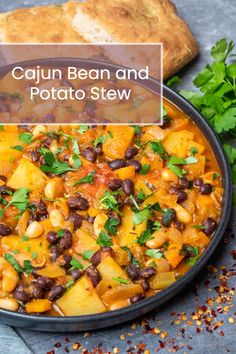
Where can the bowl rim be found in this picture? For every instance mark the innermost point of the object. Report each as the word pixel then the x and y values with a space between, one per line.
pixel 164 295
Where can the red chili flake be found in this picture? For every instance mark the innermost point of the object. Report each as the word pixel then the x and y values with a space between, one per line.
pixel 173 313
pixel 198 330
pixel 51 352
pixel 67 339
pixel 233 253
pixel 204 308
pixel 189 347
pixel 66 349
pixel 221 333
pixel 182 330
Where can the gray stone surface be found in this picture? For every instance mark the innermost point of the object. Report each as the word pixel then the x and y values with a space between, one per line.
pixel 209 20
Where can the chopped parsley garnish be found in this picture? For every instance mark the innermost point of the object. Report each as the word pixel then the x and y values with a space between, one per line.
pixel 25 237
pixel 121 280
pixel 167 216
pixel 52 165
pixel 87 179
pixel 154 253
pixel 20 199
pixel 76 264
pixel 60 233
pixel 18 147
pixel 145 235
pixel 76 160
pixel 87 254
pixel 83 128
pixel 193 150
pixel 75 147
pixel 141 216
pixel 28 266
pixel 11 259
pixel 26 138
pixel 101 139
pixel 157 225
pixel 145 169
pixel 104 239
pixel 199 226
pixel 111 224
pixel 158 149
pixel 132 259
pixel 215 176
pixel 108 201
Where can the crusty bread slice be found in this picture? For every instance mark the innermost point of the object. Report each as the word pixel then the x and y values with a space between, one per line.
pixel 40 24
pixel 138 21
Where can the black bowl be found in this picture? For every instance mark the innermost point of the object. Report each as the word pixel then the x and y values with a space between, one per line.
pixel 84 323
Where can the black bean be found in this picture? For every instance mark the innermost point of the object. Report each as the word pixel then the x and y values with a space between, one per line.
pixel 133 272
pixel 179 225
pixel 5 230
pixel 131 152
pixel 67 260
pixel 44 283
pixel 89 154
pixel 36 292
pixel 145 284
pixel 21 294
pixel 182 196
pixel 94 275
pixel 198 182
pixel 47 142
pixel 210 225
pixel 90 219
pixel 76 273
pixel 147 272
pixel 137 165
pixel 96 258
pixel 166 122
pixel 206 189
pixel 116 164
pixel 78 203
pixel 52 237
pixel 55 253
pixel 136 298
pixel 99 149
pixel 56 292
pixel 65 242
pixel 77 220
pixel 183 183
pixel 119 200
pixel 115 184
pixel 128 187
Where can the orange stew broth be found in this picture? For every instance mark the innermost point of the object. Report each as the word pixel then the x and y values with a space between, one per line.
pixel 98 218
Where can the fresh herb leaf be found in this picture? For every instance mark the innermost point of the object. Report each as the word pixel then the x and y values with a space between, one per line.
pixel 145 235
pixel 137 129
pixel 83 128
pixel 154 253
pixel 18 147
pixel 167 216
pixel 87 254
pixel 76 264
pixel 20 199
pixel 25 237
pixel 26 138
pixel 101 139
pixel 87 179
pixel 199 226
pixel 108 201
pixel 111 224
pixel 76 160
pixel 104 239
pixel 145 169
pixel 56 168
pixel 60 233
pixel 157 225
pixel 177 171
pixel 75 147
pixel 215 176
pixel 173 81
pixel 11 259
pixel 132 259
pixel 141 216
pixel 28 266
pixel 121 280
pixel 158 149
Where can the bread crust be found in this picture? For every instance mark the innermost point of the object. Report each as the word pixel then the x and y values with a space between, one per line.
pixel 40 24
pixel 143 21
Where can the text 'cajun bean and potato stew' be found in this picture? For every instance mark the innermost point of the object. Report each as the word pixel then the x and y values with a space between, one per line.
pixel 97 218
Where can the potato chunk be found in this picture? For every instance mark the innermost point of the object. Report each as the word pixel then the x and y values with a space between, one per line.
pixel 81 299
pixel 115 146
pixel 27 175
